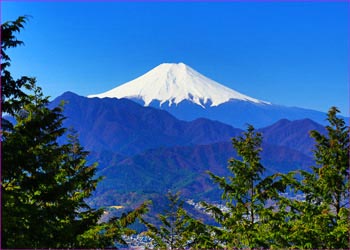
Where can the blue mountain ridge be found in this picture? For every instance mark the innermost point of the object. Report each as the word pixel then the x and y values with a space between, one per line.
pixel 240 113
pixel 143 151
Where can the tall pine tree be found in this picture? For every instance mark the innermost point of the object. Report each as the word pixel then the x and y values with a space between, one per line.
pixel 243 193
pixel 320 219
pixel 45 184
pixel 323 218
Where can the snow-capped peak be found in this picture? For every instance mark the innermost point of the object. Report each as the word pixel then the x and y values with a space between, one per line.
pixel 174 83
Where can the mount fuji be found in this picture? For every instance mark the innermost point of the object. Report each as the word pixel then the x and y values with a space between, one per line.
pixel 145 151
pixel 188 95
pixel 174 83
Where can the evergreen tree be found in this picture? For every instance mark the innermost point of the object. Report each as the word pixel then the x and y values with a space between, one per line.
pixel 324 215
pixel 260 214
pixel 244 195
pixel 328 185
pixel 331 176
pixel 13 92
pixel 321 218
pixel 44 184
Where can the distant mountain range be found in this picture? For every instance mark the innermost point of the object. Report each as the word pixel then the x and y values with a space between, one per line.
pixel 165 129
pixel 144 151
pixel 188 95
pixel 121 125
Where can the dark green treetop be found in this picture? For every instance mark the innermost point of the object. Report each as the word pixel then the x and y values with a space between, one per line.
pixel 244 195
pixel 45 184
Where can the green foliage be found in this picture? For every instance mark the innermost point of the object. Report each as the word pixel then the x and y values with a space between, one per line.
pixel 45 184
pixel 179 230
pixel 244 193
pixel 331 182
pixel 13 92
pixel 106 234
pixel 259 214
pixel 321 220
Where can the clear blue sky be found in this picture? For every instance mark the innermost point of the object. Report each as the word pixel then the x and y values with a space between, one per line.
pixel 288 53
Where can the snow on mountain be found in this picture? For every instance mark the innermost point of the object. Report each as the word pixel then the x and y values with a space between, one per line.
pixel 174 83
